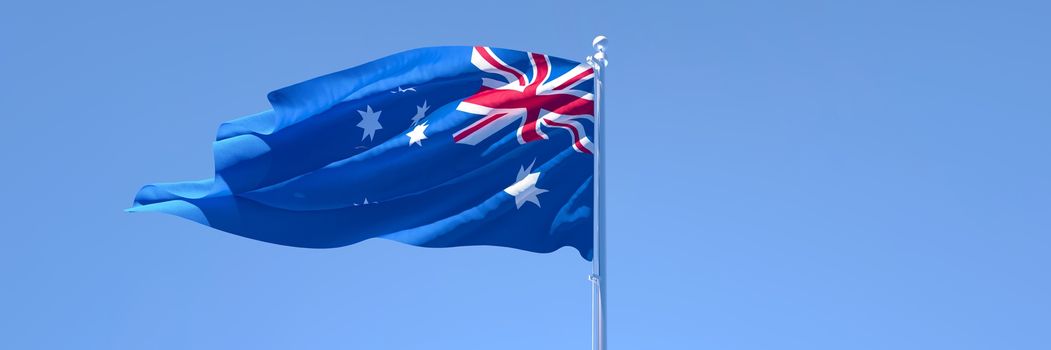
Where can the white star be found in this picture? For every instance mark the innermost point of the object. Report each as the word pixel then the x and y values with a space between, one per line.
pixel 417 135
pixel 421 111
pixel 364 203
pixel 370 122
pixel 524 189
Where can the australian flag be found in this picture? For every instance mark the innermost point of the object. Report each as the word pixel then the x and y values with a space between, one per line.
pixel 434 147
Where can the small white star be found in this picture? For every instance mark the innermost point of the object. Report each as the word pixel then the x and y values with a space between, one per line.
pixel 364 203
pixel 417 135
pixel 370 122
pixel 524 189
pixel 421 112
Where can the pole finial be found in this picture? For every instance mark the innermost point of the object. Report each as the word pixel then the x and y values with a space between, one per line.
pixel 599 43
pixel 598 60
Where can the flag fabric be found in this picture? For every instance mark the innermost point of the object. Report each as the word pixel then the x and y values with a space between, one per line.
pixel 434 147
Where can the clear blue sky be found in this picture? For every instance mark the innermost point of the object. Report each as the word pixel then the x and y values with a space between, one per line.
pixel 782 175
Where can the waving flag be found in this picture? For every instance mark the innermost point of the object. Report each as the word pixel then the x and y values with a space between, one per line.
pixel 434 147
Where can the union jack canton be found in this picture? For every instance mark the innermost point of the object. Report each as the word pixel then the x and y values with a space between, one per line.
pixel 535 101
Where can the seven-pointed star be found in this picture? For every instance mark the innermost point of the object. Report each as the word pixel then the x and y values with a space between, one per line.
pixel 370 122
pixel 421 111
pixel 417 135
pixel 524 189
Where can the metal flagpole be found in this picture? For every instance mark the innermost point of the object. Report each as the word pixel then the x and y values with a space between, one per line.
pixel 598 273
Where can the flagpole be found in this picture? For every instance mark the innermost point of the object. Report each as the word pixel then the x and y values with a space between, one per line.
pixel 598 62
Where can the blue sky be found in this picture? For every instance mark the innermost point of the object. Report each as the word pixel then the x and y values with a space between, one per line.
pixel 782 175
